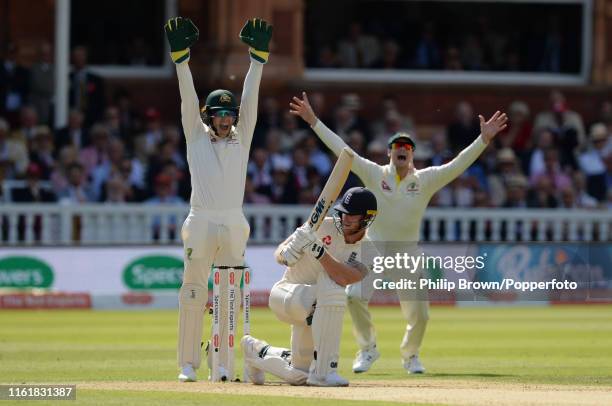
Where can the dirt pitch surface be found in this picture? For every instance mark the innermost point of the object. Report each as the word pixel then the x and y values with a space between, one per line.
pixel 449 392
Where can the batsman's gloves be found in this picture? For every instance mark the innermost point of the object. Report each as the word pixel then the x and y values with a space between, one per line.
pixel 182 34
pixel 256 33
pixel 316 249
pixel 301 238
pixel 290 256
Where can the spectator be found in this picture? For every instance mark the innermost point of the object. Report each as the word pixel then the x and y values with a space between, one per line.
pixel 464 129
pixel 163 191
pixel 28 123
pixel 251 196
pixel 68 156
pixel 282 190
pixel 356 141
pixel 42 85
pixel 300 168
pixel 316 157
pixel 259 169
pixel 583 199
pixel 268 118
pixel 507 168
pixel 116 190
pixel 545 139
pixel 327 58
pixel 276 156
pixel 390 58
pixel 77 190
pixel 13 154
pixel 542 194
pixel 102 172
pixel 113 123
pixel 292 133
pixel 42 151
pixel 516 196
pixel 518 133
pixel 74 133
pixel 14 85
pixel 153 130
pixel 97 153
pixel 592 163
pixel 472 53
pixel 552 171
pixel 33 192
pixel 129 119
pixel 172 136
pixel 565 122
pixel 86 88
pixel 358 50
pixel 377 153
pixel 164 195
pixel 452 59
pixel 440 152
pixel 427 54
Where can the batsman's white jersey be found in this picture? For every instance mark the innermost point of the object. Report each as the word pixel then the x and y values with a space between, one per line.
pixel 401 206
pixel 308 299
pixel 215 231
pixel 308 269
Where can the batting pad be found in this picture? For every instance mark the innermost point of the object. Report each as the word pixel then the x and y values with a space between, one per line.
pixel 326 332
pixel 279 367
pixel 192 303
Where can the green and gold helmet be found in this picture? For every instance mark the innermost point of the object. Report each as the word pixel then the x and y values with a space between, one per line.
pixel 219 101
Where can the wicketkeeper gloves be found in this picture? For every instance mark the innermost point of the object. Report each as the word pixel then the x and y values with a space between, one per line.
pixel 181 33
pixel 256 33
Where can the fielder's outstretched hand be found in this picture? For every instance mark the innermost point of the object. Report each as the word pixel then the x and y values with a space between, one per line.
pixel 181 33
pixel 492 127
pixel 302 108
pixel 257 34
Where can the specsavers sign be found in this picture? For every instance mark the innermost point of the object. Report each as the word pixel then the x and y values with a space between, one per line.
pixel 21 271
pixel 115 270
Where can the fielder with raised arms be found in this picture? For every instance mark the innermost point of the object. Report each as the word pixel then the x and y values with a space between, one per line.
pixel 403 193
pixel 311 295
pixel 218 141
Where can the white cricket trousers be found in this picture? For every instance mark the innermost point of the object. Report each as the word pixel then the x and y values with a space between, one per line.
pixel 210 237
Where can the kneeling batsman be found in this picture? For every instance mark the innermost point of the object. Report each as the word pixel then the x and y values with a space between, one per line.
pixel 311 297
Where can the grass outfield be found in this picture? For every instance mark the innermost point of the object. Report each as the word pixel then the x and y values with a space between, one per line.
pixel 562 345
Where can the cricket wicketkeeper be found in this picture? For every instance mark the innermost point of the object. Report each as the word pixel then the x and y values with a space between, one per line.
pixel 218 140
pixel 403 193
pixel 311 295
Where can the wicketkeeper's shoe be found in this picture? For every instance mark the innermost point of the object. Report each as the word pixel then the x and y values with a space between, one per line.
pixel 332 379
pixel 187 374
pixel 252 348
pixel 414 366
pixel 364 359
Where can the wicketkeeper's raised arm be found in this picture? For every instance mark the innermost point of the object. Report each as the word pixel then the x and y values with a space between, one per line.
pixel 256 33
pixel 436 177
pixel 181 34
pixel 301 107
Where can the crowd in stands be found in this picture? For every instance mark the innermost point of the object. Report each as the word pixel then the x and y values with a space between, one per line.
pixel 430 46
pixel 112 151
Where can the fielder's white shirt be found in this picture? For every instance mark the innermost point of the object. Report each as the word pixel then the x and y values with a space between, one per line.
pixel 307 269
pixel 401 204
pixel 218 166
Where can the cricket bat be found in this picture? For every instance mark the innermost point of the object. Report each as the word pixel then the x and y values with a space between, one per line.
pixel 332 188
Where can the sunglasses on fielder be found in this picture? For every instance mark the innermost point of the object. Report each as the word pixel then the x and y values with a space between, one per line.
pixel 224 113
pixel 406 145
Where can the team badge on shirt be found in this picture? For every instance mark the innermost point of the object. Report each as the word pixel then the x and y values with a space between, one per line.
pixel 326 240
pixel 385 186
pixel 412 188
